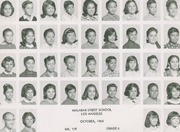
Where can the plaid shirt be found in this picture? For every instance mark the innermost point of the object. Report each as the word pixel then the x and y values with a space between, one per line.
pixel 109 73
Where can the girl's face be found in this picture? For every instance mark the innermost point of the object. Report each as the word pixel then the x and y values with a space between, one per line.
pixel 175 121
pixel 152 8
pixel 9 94
pixel 153 120
pixel 174 37
pixel 91 66
pixel 112 64
pixel 7 10
pixel 174 63
pixel 152 37
pixel 50 65
pixel 90 9
pixel 50 93
pixel 91 37
pixel 153 63
pixel 175 93
pixel 132 36
pixel 91 93
pixel 29 121
pixel 28 9
pixel 112 7
pixel 70 9
pixel 70 64
pixel 30 65
pixel 8 37
pixel 132 65
pixel 29 94
pixel 50 38
pixel 133 93
pixel 9 66
pixel 172 10
pixel 50 10
pixel 112 92
pixel 71 37
pixel 131 8
pixel 111 38
pixel 71 93
pixel 29 38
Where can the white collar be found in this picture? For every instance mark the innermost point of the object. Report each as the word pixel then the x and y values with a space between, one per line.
pixel 25 17
pixel 27 101
pixel 8 73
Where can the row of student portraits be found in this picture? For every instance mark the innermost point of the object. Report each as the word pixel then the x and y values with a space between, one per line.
pixel 111 9
pixel 92 37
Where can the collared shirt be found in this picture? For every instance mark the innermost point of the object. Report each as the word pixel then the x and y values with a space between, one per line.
pixel 69 46
pixel 4 45
pixel 110 101
pixel 26 47
pixel 109 73
pixel 47 74
pixel 151 73
pixel 47 102
pixel 87 45
pixel 130 17
pixel 129 101
pixel 110 17
pixel 150 46
pixel 131 45
pixel 89 74
pixel 27 73
pixel 68 73
pixel 168 73
pixel 28 129
pixel 7 130
pixel 170 45
pixel 89 18
pixel 169 18
pixel 109 46
pixel 67 17
pixel 4 74
pixel 173 102
pixel 27 102
pixel 151 17
pixel 149 100
pixel 69 101
pixel 25 18
pixel 90 102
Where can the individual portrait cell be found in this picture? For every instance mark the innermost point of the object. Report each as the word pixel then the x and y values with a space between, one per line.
pixel 49 37
pixel 48 10
pixel 49 93
pixel 50 65
pixel 152 37
pixel 152 93
pixel 171 38
pixel 69 10
pixel 110 65
pixel 171 10
pixel 131 94
pixel 8 93
pixel 28 120
pixel 28 10
pixel 152 120
pixel 69 93
pixel 131 65
pixel 172 93
pixel 69 67
pixel 152 10
pixel 8 120
pixel 90 37
pixel 8 65
pixel 110 36
pixel 28 65
pixel 110 10
pixel 131 10
pixel 28 36
pixel 110 93
pixel 171 65
pixel 152 65
pixel 89 10
pixel 131 35
pixel 8 37
pixel 69 37
pixel 28 93
pixel 90 67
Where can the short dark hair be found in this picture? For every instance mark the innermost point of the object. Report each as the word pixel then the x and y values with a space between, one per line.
pixel 4 115
pixel 130 30
pixel 49 58
pixel 170 88
pixel 66 31
pixel 88 31
pixel 90 58
pixel 129 87
pixel 131 58
pixel 48 86
pixel 109 32
pixel 6 87
pixel 109 1
pixel 147 120
pixel 7 30
pixel 69 87
pixel 68 57
pixel 151 57
pixel 171 115
pixel 151 85
pixel 28 58
pixel 7 59
pixel 149 2
pixel 86 3
pixel 126 7
pixel 67 3
pixel 27 87
pixel 3 4
pixel 169 2
pixel 111 85
pixel 109 58
pixel 44 6
pixel 85 94
pixel 172 30
pixel 47 31
pixel 26 3
pixel 25 115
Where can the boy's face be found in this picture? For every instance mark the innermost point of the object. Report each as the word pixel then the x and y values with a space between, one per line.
pixel 153 93
pixel 132 36
pixel 8 37
pixel 50 38
pixel 50 65
pixel 112 64
pixel 30 65
pixel 28 9
pixel 112 7
pixel 91 37
pixel 9 121
pixel 152 8
pixel 71 93
pixel 70 9
pixel 174 37
pixel 70 64
pixel 9 66
pixel 112 92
